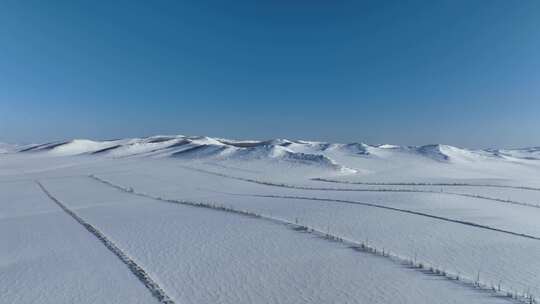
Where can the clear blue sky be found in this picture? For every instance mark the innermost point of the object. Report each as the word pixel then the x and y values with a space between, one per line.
pixel 465 73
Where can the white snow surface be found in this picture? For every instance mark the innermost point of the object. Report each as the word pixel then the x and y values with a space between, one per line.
pixel 214 220
pixel 7 148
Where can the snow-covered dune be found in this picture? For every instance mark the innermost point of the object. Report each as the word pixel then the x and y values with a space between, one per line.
pixel 187 147
pixel 436 151
pixel 350 162
pixel 532 153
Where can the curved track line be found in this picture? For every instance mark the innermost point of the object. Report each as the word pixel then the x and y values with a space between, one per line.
pixel 328 180
pixel 422 267
pixel 446 219
pixel 283 185
pixel 500 200
pixel 137 270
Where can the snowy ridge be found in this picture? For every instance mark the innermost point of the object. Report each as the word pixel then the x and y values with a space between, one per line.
pixel 358 159
pixel 189 148
pixel 453 154
pixel 532 153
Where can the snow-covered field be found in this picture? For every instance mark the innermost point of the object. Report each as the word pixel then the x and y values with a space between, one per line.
pixel 178 219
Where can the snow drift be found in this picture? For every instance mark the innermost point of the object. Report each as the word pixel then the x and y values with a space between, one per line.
pixel 344 158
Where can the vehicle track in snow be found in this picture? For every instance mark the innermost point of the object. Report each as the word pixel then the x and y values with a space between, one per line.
pixel 421 266
pixel 298 187
pixel 136 269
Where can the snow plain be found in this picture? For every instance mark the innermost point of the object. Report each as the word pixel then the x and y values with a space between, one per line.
pixel 209 220
pixel 46 257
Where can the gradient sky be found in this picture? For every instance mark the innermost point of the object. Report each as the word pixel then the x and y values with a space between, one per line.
pixel 465 73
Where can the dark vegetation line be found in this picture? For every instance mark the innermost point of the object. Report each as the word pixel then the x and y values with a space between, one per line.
pixel 500 200
pixel 424 184
pixel 283 185
pixel 364 247
pixel 137 270
pixel 446 219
